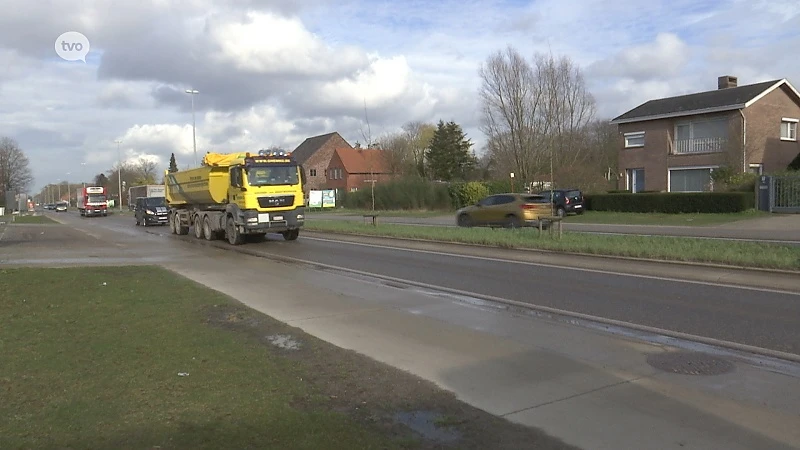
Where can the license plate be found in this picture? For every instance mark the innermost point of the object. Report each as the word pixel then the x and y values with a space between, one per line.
pixel 263 217
pixel 579 206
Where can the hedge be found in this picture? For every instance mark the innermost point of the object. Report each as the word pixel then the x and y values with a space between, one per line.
pixel 673 202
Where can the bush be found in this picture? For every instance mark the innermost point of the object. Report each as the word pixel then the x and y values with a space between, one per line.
pixel 674 202
pixel 463 194
pixel 404 193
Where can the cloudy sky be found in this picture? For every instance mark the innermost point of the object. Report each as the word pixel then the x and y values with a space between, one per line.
pixel 273 72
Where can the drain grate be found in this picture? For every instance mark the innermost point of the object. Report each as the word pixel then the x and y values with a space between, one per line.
pixel 689 363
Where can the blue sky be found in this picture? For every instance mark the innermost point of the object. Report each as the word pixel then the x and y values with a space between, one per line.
pixel 274 72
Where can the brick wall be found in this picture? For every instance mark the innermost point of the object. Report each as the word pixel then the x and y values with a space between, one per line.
pixel 320 160
pixel 764 130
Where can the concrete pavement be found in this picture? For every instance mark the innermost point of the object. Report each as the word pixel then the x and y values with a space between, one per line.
pixel 590 387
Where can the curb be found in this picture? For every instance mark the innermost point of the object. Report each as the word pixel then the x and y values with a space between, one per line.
pixel 791 357
pixel 588 255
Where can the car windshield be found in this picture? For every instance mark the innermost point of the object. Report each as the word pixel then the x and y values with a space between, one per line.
pixel 272 175
pixel 155 201
pixel 97 198
pixel 64 204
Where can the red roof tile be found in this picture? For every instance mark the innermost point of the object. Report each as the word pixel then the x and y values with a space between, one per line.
pixel 362 160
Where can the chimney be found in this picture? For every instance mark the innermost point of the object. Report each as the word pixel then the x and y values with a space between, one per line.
pixel 727 81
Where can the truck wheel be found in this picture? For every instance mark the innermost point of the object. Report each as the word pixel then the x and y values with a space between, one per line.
pixel 207 233
pixel 172 227
pixel 234 237
pixel 291 235
pixel 198 227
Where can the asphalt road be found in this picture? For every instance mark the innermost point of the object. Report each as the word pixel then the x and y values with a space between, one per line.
pixel 760 318
pixel 783 230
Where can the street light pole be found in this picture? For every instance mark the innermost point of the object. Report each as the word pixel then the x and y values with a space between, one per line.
pixel 192 93
pixel 119 173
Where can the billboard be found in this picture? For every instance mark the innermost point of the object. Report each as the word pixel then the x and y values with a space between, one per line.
pixel 329 198
pixel 315 199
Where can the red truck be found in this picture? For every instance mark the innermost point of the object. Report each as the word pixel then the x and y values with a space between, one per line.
pixel 92 201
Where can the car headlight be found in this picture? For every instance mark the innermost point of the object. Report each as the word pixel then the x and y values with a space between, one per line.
pixel 149 211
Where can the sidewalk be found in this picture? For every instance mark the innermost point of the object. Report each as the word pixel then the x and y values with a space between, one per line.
pixel 590 388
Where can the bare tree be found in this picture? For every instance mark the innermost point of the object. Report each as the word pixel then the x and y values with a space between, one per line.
pixel 534 114
pixel 15 172
pixel 145 169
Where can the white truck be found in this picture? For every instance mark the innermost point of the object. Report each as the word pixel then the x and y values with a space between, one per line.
pixel 145 190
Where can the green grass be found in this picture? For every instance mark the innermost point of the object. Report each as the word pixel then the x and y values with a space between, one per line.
pixel 33 219
pixel 383 213
pixel 699 219
pixel 746 254
pixel 91 356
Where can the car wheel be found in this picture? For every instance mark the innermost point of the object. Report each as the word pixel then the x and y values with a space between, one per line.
pixel 464 221
pixel 513 221
pixel 561 212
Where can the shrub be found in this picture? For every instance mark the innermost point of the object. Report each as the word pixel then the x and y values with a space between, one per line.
pixel 675 202
pixel 463 194
pixel 404 193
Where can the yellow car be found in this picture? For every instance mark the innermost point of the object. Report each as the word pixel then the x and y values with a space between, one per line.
pixel 506 210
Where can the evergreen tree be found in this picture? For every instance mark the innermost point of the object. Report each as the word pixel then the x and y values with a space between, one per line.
pixel 449 155
pixel 173 166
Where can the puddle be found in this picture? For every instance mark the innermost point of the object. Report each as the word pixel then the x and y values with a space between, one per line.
pixel 284 341
pixel 429 425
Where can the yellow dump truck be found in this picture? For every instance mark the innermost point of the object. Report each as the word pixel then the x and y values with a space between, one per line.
pixel 238 195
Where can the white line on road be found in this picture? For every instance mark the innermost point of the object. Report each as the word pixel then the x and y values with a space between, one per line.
pixel 558 266
pixel 533 307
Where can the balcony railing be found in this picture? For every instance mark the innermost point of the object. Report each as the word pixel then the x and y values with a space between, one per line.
pixel 698 145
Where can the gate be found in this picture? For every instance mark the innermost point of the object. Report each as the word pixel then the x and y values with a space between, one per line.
pixel 783 193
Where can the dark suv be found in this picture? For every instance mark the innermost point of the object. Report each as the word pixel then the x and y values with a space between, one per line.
pixel 565 201
pixel 151 211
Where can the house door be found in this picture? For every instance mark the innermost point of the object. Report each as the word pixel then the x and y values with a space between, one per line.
pixel 635 180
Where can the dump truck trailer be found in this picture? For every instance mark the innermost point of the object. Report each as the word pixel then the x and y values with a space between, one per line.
pixel 238 195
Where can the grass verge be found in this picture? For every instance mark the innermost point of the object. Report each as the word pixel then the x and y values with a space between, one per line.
pixel 747 254
pixel 34 219
pixel 695 220
pixel 98 366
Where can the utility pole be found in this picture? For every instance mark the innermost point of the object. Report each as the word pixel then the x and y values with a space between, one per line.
pixel 119 173
pixel 192 93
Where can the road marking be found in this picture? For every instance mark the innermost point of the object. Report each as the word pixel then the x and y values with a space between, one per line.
pixel 558 266
pixel 533 307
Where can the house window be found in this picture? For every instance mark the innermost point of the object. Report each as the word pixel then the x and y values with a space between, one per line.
pixel 634 180
pixel 700 136
pixel 757 169
pixel 695 179
pixel 313 172
pixel 789 129
pixel 354 189
pixel 635 139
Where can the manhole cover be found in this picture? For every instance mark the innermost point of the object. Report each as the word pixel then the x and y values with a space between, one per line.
pixel 689 363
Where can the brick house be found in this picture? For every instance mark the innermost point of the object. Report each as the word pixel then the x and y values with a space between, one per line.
pixel 673 144
pixel 315 154
pixel 351 169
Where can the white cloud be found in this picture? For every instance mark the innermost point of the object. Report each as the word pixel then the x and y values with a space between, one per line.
pixel 272 72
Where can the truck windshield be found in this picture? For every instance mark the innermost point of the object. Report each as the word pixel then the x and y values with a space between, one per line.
pixel 97 198
pixel 155 201
pixel 272 175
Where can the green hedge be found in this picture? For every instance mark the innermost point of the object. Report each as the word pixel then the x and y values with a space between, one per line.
pixel 407 193
pixel 673 202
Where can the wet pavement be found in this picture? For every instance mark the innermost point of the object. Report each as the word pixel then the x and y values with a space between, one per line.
pixel 589 386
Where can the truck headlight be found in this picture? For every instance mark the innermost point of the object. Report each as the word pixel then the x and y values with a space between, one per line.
pixel 252 220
